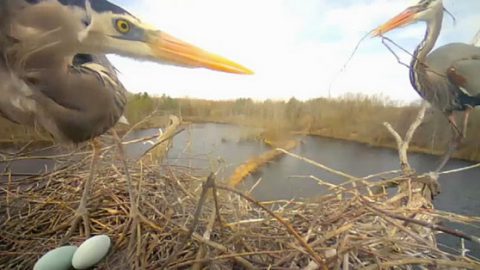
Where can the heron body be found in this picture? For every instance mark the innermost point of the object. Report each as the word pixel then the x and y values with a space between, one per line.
pixel 448 77
pixel 53 66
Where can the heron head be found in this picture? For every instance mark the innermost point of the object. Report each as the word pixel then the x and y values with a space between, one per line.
pixel 111 29
pixel 423 10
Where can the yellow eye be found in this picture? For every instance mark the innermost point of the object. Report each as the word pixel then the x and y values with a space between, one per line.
pixel 123 26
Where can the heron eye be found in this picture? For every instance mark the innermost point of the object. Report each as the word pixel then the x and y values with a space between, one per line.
pixel 122 26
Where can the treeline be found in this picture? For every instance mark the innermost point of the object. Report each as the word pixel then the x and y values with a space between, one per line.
pixel 351 117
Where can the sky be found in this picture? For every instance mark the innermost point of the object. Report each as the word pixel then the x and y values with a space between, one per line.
pixel 297 48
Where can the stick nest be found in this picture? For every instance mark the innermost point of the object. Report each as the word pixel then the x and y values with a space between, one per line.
pixel 178 227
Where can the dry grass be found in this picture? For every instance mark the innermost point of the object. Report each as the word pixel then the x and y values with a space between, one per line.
pixel 182 226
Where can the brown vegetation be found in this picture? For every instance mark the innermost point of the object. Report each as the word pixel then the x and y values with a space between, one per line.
pixel 352 117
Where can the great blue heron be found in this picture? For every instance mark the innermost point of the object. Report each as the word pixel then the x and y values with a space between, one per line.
pixel 54 73
pixel 449 77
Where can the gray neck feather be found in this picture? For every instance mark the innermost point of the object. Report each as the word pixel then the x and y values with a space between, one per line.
pixel 417 67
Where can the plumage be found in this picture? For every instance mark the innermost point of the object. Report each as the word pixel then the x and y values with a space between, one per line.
pixel 461 63
pixel 55 51
pixel 449 77
pixel 85 103
pixel 61 93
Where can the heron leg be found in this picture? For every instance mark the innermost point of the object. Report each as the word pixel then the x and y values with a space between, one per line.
pixel 454 142
pixel 134 212
pixel 82 212
pixel 453 123
pixel 465 121
pixel 131 193
pixel 452 146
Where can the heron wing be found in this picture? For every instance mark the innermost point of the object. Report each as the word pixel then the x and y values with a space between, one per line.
pixel 460 63
pixel 76 105
pixel 466 75
pixel 85 99
pixel 15 104
pixel 22 104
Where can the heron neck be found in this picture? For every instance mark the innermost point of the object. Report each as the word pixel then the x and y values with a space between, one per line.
pixel 417 66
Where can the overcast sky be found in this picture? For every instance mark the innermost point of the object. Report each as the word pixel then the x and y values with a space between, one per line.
pixel 295 47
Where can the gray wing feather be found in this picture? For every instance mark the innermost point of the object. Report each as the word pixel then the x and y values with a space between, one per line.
pixel 16 103
pixel 84 100
pixel 468 72
pixel 464 59
pixel 76 105
pixel 24 105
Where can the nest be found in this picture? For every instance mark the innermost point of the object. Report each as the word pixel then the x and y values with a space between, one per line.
pixel 190 221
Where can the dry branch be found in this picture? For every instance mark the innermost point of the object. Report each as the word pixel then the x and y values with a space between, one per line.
pixel 403 144
pixel 157 152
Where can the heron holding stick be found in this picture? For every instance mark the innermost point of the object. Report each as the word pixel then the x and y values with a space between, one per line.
pixel 448 77
pixel 54 73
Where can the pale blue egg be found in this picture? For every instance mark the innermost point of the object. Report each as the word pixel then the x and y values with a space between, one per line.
pixel 57 259
pixel 91 252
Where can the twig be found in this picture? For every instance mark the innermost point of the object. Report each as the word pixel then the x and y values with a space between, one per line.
pixel 328 169
pixel 423 261
pixel 217 207
pixel 206 235
pixel 393 52
pixel 208 184
pixel 350 57
pixel 407 52
pixel 435 227
pixel 255 185
pixel 461 169
pixel 144 120
pixel 318 259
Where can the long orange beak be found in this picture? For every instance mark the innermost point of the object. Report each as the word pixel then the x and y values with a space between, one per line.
pixel 401 19
pixel 177 52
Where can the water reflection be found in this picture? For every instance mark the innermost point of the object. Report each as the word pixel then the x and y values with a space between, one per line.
pixel 31 163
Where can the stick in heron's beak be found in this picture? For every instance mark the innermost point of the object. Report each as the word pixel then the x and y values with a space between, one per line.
pixel 177 52
pixel 401 19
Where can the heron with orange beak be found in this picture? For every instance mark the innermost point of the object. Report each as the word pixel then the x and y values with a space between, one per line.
pixel 448 77
pixel 54 73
